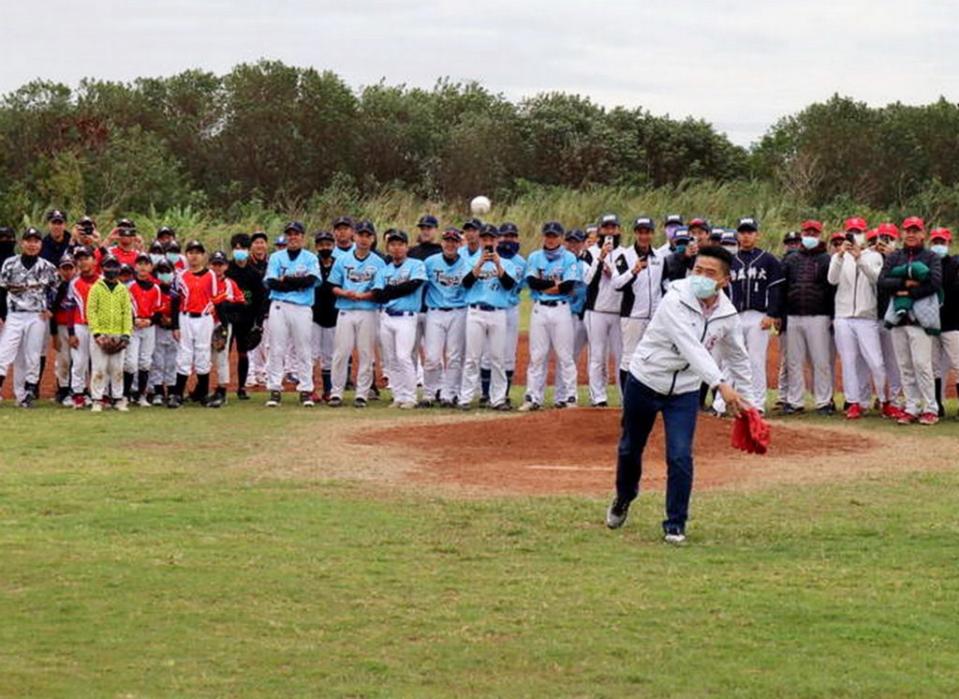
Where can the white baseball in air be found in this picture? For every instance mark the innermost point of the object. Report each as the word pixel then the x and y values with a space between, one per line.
pixel 480 206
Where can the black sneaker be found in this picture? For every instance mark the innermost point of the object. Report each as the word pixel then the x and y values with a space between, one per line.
pixel 306 399
pixel 425 403
pixel 217 400
pixel 826 410
pixel 674 535
pixel 241 394
pixel 27 401
pixel 600 404
pixel 792 410
pixel 503 407
pixel 359 402
pixel 174 401
pixel 617 513
pixel 274 400
pixel 335 402
pixel 484 401
pixel 447 404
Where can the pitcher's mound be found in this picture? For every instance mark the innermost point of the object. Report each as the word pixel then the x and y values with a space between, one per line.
pixel 574 451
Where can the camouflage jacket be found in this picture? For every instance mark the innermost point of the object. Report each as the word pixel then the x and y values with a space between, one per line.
pixel 28 290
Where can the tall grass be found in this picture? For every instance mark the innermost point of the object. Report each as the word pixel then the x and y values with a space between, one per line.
pixel 721 203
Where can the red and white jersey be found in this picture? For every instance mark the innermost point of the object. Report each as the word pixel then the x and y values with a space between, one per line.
pixel 80 289
pixel 125 257
pixel 147 300
pixel 197 290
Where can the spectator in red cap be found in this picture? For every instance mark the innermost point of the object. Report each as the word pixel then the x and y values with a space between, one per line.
pixel 809 308
pixel 945 354
pixel 887 241
pixel 914 274
pixel 854 271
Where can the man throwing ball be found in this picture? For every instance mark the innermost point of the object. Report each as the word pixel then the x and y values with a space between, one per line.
pixel 665 371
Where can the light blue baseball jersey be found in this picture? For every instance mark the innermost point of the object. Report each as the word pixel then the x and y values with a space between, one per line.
pixel 577 303
pixel 339 252
pixel 564 268
pixel 470 256
pixel 487 289
pixel 280 265
pixel 352 274
pixel 392 275
pixel 444 281
pixel 519 264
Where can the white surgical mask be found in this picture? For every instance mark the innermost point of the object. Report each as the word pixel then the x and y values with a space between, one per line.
pixel 940 250
pixel 703 287
pixel 809 242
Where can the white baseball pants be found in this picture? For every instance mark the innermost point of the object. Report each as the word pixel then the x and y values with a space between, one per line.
pixel 757 347
pixel 106 368
pixel 163 371
pixel 221 359
pixel 550 327
pixel 893 379
pixel 604 331
pixel 291 330
pixel 914 355
pixel 809 337
pixel 632 330
pixel 26 332
pixel 354 328
pixel 61 366
pixel 194 351
pixel 398 338
pixel 484 328
pixel 139 353
pixel 80 355
pixel 580 343
pixel 322 342
pixel 445 341
pixel 857 340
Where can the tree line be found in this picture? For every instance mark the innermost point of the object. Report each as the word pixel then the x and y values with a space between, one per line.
pixel 284 137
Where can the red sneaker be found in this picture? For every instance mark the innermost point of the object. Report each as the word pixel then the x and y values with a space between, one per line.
pixel 854 412
pixel 891 411
pixel 907 419
pixel 928 419
pixel 79 401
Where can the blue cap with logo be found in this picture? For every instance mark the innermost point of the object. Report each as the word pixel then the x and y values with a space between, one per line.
pixel 428 221
pixel 644 222
pixel 553 228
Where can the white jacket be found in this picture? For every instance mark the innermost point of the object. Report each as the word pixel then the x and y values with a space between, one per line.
pixel 674 355
pixel 608 299
pixel 855 282
pixel 641 292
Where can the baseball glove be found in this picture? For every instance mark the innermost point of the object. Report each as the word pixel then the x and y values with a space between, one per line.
pixel 751 432
pixel 112 344
pixel 220 336
pixel 254 337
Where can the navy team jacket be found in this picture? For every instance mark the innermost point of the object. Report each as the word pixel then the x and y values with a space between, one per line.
pixel 757 282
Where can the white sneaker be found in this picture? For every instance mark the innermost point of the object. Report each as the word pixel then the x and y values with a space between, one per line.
pixel 675 538
pixel 158 400
pixel 67 402
pixel 407 406
pixel 528 406
pixel 97 407
pixel 123 406
pixel 144 402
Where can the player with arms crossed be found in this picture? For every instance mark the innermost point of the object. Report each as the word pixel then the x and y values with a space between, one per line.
pixel 670 361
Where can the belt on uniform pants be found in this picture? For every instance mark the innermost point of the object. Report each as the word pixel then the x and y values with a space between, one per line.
pixel 451 308
pixel 483 307
pixel 194 315
pixel 398 314
pixel 552 304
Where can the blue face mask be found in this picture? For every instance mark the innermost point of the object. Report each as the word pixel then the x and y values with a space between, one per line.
pixel 703 287
pixel 165 277
pixel 809 242
pixel 681 248
pixel 173 257
pixel 241 255
pixel 157 258
pixel 553 254
pixel 940 250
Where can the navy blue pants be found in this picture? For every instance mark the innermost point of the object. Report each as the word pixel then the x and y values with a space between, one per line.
pixel 641 404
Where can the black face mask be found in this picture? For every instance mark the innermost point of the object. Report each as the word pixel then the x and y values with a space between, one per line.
pixel 7 247
pixel 325 254
pixel 111 274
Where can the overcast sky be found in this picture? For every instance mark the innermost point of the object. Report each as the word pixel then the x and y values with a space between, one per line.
pixel 739 65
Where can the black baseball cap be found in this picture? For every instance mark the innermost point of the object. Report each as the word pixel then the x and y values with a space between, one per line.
pixel 219 258
pixel 127 232
pixel 473 223
pixel 31 233
pixel 110 261
pixel 294 226
pixel 126 269
pixel 320 236
pixel 576 234
pixel 174 246
pixel 644 222
pixel 66 261
pixel 508 229
pixel 144 257
pixel 717 233
pixel 193 245
pixel 394 234
pixel 7 232
pixel 682 235
pixel 553 228
pixel 82 251
pixel 428 221
pixel 125 223
pixel 259 235
pixel 490 229
pixel 166 230
pixel 673 220
pixel 792 237
pixel 747 223
pixel 342 221
pixel 157 248
pixel 453 234
pixel 365 226
pixel 86 221
pixel 163 265
pixel 56 215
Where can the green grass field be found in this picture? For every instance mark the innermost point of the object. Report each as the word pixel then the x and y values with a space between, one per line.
pixel 150 555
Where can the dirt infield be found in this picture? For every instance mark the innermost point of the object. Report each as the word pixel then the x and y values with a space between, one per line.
pixel 574 452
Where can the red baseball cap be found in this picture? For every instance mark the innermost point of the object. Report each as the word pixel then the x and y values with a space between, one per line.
pixel 815 225
pixel 838 235
pixel 888 229
pixel 872 234
pixel 698 223
pixel 914 222
pixel 943 233
pixel 856 222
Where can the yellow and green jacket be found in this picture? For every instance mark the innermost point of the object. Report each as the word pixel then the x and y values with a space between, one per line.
pixel 109 311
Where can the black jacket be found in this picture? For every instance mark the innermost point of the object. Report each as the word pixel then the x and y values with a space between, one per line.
pixel 888 286
pixel 807 291
pixel 677 266
pixel 324 302
pixel 949 311
pixel 250 281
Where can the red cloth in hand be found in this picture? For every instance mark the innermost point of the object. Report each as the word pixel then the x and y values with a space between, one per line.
pixel 751 432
